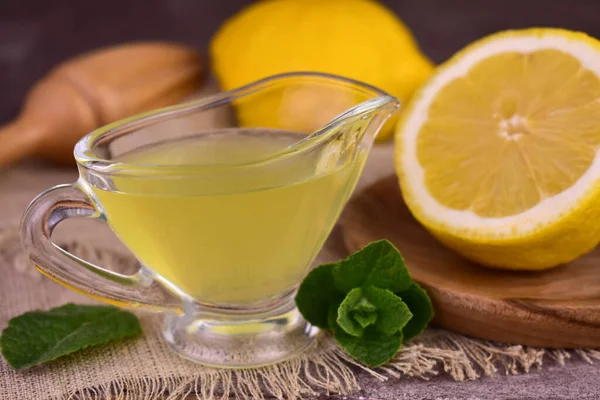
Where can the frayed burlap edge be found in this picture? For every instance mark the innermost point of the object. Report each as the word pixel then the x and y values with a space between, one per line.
pixel 309 375
pixel 326 369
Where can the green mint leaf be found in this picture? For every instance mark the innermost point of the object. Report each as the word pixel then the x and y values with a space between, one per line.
pixel 364 312
pixel 372 348
pixel 365 319
pixel 420 305
pixel 364 306
pixel 344 315
pixel 316 293
pixel 39 336
pixel 393 314
pixel 368 300
pixel 378 264
pixel 332 314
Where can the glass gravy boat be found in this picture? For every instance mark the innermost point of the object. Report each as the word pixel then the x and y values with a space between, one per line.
pixel 225 222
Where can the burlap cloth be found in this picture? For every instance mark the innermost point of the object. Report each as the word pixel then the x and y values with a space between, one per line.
pixel 146 369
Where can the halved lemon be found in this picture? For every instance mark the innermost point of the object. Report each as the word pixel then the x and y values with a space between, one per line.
pixel 497 154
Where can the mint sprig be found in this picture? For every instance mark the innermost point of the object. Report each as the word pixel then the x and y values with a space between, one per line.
pixel 39 336
pixel 369 302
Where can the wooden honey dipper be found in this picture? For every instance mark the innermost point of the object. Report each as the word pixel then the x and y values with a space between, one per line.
pixel 95 89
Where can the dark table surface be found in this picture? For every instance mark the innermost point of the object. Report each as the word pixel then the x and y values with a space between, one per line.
pixel 37 34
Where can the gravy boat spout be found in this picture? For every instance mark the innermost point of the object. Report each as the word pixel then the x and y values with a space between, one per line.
pixel 329 111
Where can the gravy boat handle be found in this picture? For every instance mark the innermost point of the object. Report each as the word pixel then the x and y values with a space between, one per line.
pixel 69 201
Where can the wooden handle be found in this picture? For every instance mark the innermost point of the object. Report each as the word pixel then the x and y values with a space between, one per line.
pixel 52 120
pixel 17 141
pixel 95 89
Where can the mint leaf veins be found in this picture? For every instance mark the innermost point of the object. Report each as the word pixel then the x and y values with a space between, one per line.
pixel 39 336
pixel 369 302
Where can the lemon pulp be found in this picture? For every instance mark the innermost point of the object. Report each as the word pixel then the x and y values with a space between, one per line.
pixel 517 129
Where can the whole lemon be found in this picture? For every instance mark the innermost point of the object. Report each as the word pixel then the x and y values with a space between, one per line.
pixel 358 39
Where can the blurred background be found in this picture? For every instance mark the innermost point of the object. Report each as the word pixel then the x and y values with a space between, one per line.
pixel 35 35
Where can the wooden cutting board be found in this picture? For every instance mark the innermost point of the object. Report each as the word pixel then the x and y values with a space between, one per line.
pixel 555 308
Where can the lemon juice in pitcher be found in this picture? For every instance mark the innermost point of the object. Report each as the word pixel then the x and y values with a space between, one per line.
pixel 236 235
pixel 226 202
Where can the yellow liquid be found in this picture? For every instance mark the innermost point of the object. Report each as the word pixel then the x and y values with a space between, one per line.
pixel 223 235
